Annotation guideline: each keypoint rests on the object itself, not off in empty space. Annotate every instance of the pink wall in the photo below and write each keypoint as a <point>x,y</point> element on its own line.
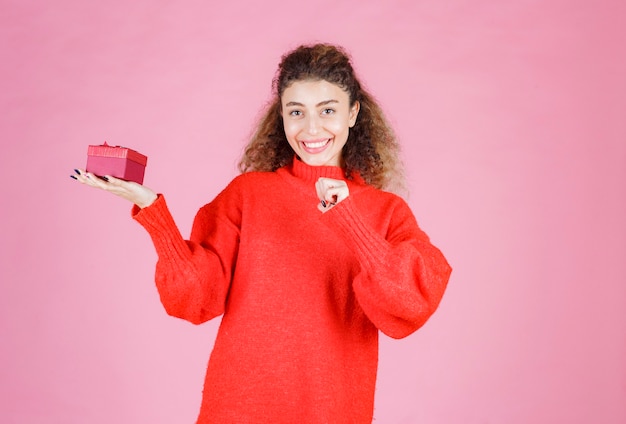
<point>512,119</point>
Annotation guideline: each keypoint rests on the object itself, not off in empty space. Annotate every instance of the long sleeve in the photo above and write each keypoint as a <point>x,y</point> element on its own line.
<point>193,276</point>
<point>403,276</point>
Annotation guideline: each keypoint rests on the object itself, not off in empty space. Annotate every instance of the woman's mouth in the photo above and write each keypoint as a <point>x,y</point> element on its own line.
<point>315,146</point>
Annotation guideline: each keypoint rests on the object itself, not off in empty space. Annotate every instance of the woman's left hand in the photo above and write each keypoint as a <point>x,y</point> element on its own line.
<point>330,192</point>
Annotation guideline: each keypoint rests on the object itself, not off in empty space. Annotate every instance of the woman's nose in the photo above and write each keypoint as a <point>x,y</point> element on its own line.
<point>313,125</point>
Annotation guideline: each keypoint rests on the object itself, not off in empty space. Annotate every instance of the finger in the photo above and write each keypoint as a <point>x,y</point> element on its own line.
<point>336,194</point>
<point>325,206</point>
<point>114,181</point>
<point>94,181</point>
<point>91,179</point>
<point>80,175</point>
<point>322,185</point>
<point>332,196</point>
<point>320,188</point>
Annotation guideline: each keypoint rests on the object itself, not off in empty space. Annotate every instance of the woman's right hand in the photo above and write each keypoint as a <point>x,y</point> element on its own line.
<point>138,194</point>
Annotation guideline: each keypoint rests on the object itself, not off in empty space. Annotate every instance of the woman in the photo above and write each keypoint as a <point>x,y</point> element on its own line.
<point>305,254</point>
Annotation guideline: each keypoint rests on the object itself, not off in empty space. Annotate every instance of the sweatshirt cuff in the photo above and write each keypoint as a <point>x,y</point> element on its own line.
<point>371,248</point>
<point>159,223</point>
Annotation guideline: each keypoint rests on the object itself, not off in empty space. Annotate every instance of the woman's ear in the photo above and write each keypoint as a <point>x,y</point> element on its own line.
<point>354,112</point>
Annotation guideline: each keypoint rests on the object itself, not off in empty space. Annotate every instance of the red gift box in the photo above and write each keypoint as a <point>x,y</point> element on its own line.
<point>117,161</point>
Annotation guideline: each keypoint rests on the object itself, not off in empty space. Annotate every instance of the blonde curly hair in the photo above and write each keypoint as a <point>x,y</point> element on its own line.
<point>371,150</point>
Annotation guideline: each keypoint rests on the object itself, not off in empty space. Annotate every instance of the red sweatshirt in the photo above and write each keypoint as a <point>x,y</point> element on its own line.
<point>302,293</point>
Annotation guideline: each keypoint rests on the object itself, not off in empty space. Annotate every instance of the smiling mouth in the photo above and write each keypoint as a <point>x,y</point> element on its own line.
<point>315,144</point>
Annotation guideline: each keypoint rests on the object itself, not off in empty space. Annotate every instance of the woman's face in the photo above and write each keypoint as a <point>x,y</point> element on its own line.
<point>317,117</point>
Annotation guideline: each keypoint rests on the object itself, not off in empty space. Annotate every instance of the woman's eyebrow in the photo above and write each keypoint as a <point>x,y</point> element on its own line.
<point>323,103</point>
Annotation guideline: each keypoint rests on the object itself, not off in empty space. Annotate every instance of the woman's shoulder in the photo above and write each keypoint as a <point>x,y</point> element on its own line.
<point>380,195</point>
<point>247,181</point>
<point>253,178</point>
<point>240,188</point>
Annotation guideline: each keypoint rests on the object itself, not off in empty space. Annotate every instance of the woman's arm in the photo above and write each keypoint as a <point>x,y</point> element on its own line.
<point>192,276</point>
<point>403,275</point>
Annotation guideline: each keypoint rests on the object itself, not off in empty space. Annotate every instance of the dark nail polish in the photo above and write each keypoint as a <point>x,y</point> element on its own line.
<point>105,179</point>
<point>323,203</point>
<point>77,171</point>
<point>73,176</point>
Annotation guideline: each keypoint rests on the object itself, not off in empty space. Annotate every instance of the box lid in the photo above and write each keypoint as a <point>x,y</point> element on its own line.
<point>117,152</point>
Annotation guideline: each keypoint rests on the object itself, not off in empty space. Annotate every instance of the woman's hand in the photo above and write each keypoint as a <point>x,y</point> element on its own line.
<point>140,195</point>
<point>330,192</point>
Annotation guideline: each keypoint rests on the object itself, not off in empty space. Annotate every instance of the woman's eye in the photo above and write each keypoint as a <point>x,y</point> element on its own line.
<point>328,111</point>
<point>295,113</point>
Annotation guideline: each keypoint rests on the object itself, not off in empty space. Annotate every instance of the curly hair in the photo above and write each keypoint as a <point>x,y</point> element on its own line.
<point>371,150</point>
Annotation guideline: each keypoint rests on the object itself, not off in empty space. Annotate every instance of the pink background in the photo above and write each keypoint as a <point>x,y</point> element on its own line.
<point>512,118</point>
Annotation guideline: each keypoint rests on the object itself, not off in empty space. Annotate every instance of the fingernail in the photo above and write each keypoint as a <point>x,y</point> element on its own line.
<point>73,176</point>
<point>105,179</point>
<point>77,171</point>
<point>323,203</point>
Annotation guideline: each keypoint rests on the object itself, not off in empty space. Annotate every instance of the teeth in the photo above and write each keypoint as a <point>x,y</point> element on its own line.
<point>316,145</point>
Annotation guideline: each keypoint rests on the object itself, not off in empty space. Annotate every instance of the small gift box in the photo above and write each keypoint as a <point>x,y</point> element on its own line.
<point>117,161</point>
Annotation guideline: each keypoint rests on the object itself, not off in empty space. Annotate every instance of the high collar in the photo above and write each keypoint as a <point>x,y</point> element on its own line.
<point>311,173</point>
